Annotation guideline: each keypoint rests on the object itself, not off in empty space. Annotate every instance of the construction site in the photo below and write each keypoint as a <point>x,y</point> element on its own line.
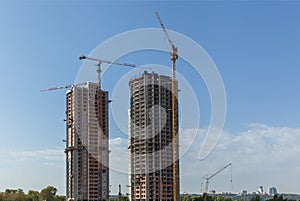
<point>153,141</point>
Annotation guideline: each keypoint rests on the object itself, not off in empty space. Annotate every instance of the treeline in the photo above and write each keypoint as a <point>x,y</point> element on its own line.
<point>274,198</point>
<point>48,194</point>
<point>123,198</point>
<point>201,198</point>
<point>222,198</point>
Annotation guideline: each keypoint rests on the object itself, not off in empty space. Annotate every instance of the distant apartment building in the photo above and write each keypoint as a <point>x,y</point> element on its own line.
<point>150,138</point>
<point>87,172</point>
<point>260,190</point>
<point>272,191</point>
<point>244,192</point>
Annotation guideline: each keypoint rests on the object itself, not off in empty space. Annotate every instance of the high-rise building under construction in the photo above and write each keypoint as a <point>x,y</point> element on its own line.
<point>151,170</point>
<point>87,151</point>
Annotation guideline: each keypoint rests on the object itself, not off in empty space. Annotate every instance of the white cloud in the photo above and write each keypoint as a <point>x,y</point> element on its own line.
<point>260,155</point>
<point>53,155</point>
<point>118,155</point>
<point>118,142</point>
<point>33,169</point>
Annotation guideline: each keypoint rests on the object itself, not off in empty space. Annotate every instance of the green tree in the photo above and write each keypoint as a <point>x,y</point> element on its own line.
<point>278,198</point>
<point>1,196</point>
<point>14,195</point>
<point>228,199</point>
<point>185,197</point>
<point>255,198</point>
<point>219,198</point>
<point>48,194</point>
<point>59,198</point>
<point>32,195</point>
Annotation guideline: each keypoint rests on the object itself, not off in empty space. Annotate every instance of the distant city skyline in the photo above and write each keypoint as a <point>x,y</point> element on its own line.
<point>255,46</point>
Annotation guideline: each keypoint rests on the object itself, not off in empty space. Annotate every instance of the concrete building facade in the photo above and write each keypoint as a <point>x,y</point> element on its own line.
<point>150,138</point>
<point>87,150</point>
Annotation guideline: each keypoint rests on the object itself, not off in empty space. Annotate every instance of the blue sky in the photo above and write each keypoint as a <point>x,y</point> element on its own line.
<point>255,46</point>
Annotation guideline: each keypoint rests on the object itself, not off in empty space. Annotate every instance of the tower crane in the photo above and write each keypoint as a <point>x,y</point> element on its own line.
<point>63,87</point>
<point>99,61</point>
<point>174,57</point>
<point>207,178</point>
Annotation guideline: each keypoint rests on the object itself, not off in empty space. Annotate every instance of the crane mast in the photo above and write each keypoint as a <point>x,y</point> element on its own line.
<point>174,57</point>
<point>120,193</point>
